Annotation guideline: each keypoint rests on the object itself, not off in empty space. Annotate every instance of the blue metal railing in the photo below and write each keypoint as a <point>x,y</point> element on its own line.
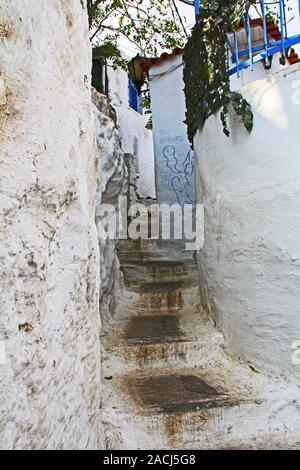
<point>264,51</point>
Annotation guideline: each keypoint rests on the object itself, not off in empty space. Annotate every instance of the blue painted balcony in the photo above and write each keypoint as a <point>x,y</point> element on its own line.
<point>261,34</point>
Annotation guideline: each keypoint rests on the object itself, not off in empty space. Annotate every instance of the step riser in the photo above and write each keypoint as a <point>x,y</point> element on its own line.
<point>198,430</point>
<point>137,245</point>
<point>185,300</point>
<point>135,257</point>
<point>154,245</point>
<point>150,287</point>
<point>159,274</point>
<point>155,356</point>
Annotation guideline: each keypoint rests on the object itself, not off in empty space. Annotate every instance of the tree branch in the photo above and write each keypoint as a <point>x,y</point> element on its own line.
<point>92,6</point>
<point>179,17</point>
<point>187,2</point>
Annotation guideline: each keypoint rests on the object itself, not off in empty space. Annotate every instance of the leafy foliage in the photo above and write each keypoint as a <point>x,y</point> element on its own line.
<point>207,85</point>
<point>150,25</point>
<point>109,50</point>
<point>146,104</point>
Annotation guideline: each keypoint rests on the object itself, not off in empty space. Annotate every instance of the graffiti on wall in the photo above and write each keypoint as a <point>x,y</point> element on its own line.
<point>182,174</point>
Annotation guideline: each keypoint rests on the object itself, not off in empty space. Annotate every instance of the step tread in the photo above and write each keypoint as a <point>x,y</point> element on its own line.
<point>164,289</point>
<point>164,263</point>
<point>153,330</point>
<point>168,286</point>
<point>177,393</point>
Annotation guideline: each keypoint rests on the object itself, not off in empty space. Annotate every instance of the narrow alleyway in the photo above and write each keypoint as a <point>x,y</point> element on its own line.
<point>168,382</point>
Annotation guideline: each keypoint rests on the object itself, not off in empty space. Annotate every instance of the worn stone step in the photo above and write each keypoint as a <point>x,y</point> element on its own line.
<point>173,393</point>
<point>172,300</point>
<point>129,246</point>
<point>221,425</point>
<point>146,287</point>
<point>220,406</point>
<point>166,270</point>
<point>153,330</point>
<point>137,256</point>
<point>126,257</point>
<point>151,355</point>
<point>161,265</point>
<point>161,287</point>
<point>156,250</point>
<point>148,342</point>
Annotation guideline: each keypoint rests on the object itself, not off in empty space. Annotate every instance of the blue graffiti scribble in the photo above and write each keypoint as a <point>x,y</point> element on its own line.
<point>183,180</point>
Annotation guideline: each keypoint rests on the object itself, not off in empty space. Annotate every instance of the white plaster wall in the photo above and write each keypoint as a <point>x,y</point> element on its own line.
<point>248,76</point>
<point>136,139</point>
<point>49,263</point>
<point>250,263</point>
<point>174,173</point>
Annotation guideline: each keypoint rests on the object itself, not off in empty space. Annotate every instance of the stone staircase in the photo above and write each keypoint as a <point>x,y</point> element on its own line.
<point>168,383</point>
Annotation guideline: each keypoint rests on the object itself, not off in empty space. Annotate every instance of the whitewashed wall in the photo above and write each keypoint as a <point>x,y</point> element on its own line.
<point>49,262</point>
<point>173,156</point>
<point>112,183</point>
<point>248,76</point>
<point>136,139</point>
<point>250,263</point>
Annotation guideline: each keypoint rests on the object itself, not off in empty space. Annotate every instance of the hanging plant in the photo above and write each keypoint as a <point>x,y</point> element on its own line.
<point>207,83</point>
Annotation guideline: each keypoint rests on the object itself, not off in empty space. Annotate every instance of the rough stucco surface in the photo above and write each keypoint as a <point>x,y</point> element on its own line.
<point>251,257</point>
<point>136,139</point>
<point>112,183</point>
<point>49,263</point>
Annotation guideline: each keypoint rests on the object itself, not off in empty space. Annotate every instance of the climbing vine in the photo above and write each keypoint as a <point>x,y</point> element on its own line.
<point>207,85</point>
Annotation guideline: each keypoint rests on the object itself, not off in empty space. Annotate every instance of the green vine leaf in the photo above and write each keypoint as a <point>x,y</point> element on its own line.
<point>207,84</point>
